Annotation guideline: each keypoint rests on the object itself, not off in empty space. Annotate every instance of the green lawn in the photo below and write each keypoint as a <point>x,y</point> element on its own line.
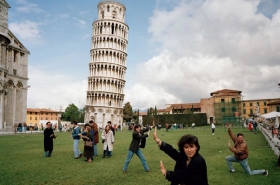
<point>22,160</point>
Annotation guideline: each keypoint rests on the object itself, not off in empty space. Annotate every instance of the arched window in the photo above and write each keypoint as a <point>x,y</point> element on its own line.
<point>108,8</point>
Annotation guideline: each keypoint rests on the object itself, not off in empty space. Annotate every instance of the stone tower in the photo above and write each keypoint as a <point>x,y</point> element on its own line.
<point>107,65</point>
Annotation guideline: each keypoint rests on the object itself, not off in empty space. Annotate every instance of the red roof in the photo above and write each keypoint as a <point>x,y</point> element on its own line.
<point>225,92</point>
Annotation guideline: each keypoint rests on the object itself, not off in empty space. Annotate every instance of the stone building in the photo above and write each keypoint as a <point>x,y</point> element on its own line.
<point>107,65</point>
<point>13,74</point>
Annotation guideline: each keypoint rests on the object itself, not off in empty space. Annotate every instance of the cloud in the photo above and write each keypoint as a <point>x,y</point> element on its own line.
<point>82,13</point>
<point>49,89</point>
<point>26,29</point>
<point>205,46</point>
<point>63,15</point>
<point>28,7</point>
<point>80,22</point>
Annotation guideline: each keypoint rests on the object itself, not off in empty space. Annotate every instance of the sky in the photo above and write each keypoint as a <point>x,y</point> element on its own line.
<point>179,51</point>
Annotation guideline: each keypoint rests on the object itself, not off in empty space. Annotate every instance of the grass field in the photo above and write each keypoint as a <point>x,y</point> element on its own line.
<point>22,160</point>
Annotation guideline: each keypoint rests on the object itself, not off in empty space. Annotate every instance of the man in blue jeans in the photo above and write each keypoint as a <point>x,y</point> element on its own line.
<point>138,140</point>
<point>240,151</point>
<point>76,130</point>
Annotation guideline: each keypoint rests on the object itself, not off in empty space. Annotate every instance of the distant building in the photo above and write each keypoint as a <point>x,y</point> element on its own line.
<point>224,106</point>
<point>107,67</point>
<point>13,74</point>
<point>38,117</point>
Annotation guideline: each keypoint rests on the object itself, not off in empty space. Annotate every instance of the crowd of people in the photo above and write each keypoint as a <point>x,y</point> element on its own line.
<point>190,166</point>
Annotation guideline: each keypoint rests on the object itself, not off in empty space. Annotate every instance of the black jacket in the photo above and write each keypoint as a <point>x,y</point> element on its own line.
<point>193,174</point>
<point>136,138</point>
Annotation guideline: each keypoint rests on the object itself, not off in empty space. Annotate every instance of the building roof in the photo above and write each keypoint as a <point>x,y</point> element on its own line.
<point>41,110</point>
<point>142,113</point>
<point>274,103</point>
<point>225,92</point>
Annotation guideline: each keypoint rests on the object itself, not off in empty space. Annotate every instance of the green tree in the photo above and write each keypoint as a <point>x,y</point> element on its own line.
<point>155,110</point>
<point>127,112</point>
<point>71,113</point>
<point>82,115</point>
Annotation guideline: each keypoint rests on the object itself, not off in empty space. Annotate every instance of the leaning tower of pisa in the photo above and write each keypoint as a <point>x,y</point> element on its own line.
<point>107,67</point>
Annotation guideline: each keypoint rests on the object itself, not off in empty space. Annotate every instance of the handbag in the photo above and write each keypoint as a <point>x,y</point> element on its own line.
<point>88,144</point>
<point>103,140</point>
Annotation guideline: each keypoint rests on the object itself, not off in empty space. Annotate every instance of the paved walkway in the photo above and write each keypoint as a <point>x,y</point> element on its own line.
<point>27,132</point>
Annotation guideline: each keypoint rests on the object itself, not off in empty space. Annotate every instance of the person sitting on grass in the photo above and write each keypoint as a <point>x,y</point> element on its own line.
<point>190,167</point>
<point>240,151</point>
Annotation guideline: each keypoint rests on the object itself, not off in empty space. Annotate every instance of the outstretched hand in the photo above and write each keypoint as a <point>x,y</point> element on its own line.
<point>155,134</point>
<point>162,168</point>
<point>229,126</point>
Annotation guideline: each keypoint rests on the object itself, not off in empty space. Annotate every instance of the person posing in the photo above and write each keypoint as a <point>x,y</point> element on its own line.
<point>240,151</point>
<point>108,137</point>
<point>48,140</point>
<point>94,127</point>
<point>213,128</point>
<point>87,136</point>
<point>76,138</point>
<point>138,140</point>
<point>190,167</point>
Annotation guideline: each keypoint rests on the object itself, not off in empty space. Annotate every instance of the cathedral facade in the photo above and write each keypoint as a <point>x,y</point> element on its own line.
<point>107,67</point>
<point>13,75</point>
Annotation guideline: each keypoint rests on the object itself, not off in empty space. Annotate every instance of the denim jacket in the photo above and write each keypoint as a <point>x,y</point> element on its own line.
<point>75,133</point>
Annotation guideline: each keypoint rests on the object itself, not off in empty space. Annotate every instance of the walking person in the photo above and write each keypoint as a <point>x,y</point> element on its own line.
<point>108,138</point>
<point>213,128</point>
<point>240,151</point>
<point>190,167</point>
<point>94,127</point>
<point>75,135</point>
<point>138,140</point>
<point>48,140</point>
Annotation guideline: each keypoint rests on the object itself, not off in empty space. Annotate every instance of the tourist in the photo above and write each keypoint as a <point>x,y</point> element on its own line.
<point>138,140</point>
<point>213,128</point>
<point>87,136</point>
<point>87,126</point>
<point>94,127</point>
<point>190,167</point>
<point>24,127</point>
<point>75,135</point>
<point>255,125</point>
<point>111,127</point>
<point>108,138</point>
<point>193,124</point>
<point>240,151</point>
<point>48,140</point>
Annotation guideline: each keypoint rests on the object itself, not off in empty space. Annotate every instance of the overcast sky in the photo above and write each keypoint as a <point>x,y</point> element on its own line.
<point>179,51</point>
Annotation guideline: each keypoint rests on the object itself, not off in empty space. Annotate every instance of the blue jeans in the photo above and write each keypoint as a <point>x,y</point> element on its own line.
<point>141,157</point>
<point>77,152</point>
<point>244,164</point>
<point>95,150</point>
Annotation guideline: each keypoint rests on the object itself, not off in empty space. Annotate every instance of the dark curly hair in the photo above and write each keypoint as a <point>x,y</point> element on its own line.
<point>188,139</point>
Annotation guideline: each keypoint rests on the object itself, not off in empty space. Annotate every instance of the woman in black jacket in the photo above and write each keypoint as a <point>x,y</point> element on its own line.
<point>190,167</point>
<point>138,140</point>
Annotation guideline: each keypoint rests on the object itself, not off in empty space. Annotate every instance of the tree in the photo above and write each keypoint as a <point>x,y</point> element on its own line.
<point>127,112</point>
<point>71,113</point>
<point>155,110</point>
